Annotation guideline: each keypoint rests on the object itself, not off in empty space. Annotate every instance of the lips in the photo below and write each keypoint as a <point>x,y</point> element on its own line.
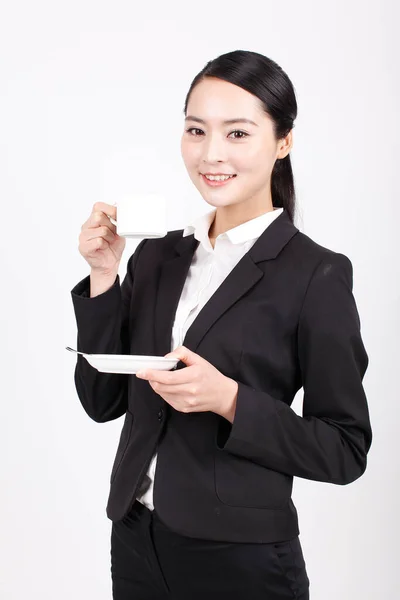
<point>217,183</point>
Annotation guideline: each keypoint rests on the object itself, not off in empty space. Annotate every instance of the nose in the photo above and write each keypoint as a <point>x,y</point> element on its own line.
<point>214,149</point>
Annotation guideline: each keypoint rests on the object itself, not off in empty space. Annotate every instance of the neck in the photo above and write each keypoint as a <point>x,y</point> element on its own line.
<point>228,217</point>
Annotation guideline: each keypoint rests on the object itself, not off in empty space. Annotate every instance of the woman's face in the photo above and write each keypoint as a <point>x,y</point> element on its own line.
<point>247,150</point>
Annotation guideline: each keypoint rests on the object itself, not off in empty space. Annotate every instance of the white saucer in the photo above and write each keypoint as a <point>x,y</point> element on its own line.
<point>130,364</point>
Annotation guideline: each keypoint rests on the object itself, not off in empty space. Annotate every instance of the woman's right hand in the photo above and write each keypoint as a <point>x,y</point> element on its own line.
<point>99,244</point>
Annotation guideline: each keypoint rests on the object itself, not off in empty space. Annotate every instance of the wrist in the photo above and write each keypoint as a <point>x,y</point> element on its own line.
<point>230,398</point>
<point>101,282</point>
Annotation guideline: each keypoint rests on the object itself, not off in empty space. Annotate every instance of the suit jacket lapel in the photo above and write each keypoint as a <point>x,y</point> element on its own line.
<point>172,279</point>
<point>240,280</point>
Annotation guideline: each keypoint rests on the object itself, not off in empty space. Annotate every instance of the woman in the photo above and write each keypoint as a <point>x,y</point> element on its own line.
<point>200,497</point>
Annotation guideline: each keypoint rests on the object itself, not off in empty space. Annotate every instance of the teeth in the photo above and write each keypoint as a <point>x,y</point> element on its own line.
<point>218,177</point>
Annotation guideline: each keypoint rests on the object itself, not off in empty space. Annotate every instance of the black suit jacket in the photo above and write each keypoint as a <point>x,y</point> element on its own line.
<point>284,317</point>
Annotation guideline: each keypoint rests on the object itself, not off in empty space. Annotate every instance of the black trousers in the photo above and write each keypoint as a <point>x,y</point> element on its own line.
<point>149,561</point>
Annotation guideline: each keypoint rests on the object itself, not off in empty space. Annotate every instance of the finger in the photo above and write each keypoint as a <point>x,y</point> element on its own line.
<point>94,245</point>
<point>99,232</point>
<point>98,219</point>
<point>108,209</point>
<point>167,377</point>
<point>180,389</point>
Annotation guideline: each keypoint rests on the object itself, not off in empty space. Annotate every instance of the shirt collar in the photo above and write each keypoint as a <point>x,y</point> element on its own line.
<point>241,233</point>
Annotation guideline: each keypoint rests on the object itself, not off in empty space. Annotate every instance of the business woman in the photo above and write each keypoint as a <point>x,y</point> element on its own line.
<point>200,497</point>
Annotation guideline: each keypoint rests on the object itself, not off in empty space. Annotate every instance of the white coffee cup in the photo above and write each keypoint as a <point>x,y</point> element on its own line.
<point>141,215</point>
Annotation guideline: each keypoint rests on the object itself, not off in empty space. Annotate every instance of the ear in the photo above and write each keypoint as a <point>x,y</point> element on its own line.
<point>285,145</point>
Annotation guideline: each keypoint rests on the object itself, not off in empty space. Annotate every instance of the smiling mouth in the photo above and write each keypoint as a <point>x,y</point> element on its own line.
<point>217,182</point>
<point>218,174</point>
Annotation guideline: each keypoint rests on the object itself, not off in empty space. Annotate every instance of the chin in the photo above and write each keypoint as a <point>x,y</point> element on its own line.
<point>216,203</point>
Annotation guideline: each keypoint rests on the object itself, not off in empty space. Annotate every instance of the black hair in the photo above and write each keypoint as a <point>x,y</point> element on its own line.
<point>266,80</point>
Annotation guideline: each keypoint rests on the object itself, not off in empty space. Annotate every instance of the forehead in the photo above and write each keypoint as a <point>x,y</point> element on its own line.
<point>215,100</point>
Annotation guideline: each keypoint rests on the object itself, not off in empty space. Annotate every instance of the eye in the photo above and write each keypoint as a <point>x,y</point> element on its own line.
<point>192,129</point>
<point>243,133</point>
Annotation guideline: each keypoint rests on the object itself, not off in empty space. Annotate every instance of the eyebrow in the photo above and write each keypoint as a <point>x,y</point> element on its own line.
<point>227,122</point>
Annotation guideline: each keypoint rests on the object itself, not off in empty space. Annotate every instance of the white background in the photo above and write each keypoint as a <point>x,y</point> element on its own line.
<point>92,97</point>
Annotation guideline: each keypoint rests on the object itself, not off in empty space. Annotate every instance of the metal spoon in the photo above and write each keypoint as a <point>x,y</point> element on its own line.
<point>72,350</point>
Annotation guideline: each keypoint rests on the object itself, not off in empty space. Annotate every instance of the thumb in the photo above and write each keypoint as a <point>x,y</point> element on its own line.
<point>185,355</point>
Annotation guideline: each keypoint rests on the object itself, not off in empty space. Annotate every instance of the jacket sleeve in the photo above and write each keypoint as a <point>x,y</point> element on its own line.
<point>331,439</point>
<point>103,328</point>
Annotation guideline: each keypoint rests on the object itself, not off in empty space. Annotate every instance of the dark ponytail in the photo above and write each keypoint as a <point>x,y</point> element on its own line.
<point>266,80</point>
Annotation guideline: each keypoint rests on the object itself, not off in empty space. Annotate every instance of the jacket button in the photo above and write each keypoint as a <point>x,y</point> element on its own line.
<point>160,414</point>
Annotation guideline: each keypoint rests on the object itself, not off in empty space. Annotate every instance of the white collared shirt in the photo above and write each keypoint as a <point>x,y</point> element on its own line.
<point>208,269</point>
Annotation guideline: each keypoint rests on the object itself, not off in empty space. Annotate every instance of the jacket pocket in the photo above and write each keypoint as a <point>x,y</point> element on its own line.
<point>123,443</point>
<point>243,483</point>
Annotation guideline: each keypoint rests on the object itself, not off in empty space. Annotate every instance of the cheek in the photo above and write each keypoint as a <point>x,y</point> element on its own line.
<point>256,161</point>
<point>190,154</point>
<point>246,158</point>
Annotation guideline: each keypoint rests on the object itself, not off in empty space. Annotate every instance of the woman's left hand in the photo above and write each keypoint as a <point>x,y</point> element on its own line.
<point>199,387</point>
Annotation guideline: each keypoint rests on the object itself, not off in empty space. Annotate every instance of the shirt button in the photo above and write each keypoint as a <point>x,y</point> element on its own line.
<point>160,414</point>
